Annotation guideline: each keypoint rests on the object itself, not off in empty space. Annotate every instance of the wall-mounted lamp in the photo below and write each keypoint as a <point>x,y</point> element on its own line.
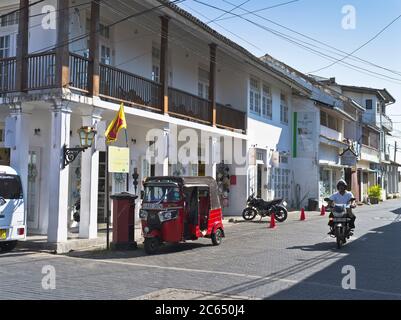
<point>86,138</point>
<point>37,132</point>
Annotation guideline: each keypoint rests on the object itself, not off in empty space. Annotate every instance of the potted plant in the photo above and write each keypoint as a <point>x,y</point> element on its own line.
<point>375,193</point>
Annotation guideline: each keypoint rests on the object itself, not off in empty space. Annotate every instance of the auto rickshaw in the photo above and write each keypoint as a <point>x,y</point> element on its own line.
<point>177,209</point>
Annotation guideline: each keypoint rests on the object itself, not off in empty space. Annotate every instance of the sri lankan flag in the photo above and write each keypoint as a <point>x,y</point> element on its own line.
<point>116,125</point>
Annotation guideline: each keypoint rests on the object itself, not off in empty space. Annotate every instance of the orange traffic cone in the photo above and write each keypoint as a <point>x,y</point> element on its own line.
<point>323,211</point>
<point>303,217</point>
<point>272,221</point>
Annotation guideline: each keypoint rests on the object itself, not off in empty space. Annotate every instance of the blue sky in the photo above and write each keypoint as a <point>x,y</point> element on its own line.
<point>321,20</point>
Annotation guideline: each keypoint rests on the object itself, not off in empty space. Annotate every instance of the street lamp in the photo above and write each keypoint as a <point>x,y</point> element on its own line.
<point>86,138</point>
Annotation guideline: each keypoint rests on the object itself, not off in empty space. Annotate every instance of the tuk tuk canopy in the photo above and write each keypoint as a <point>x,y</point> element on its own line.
<point>190,182</point>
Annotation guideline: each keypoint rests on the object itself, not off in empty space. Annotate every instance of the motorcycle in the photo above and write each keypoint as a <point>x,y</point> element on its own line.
<point>257,206</point>
<point>341,221</point>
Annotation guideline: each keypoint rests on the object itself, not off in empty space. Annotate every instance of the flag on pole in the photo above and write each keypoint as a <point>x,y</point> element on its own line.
<point>116,125</point>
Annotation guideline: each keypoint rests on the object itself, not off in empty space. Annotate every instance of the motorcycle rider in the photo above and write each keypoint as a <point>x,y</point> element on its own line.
<point>342,197</point>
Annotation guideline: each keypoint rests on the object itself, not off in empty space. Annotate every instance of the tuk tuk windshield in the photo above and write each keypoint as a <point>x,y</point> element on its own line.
<point>10,187</point>
<point>162,193</point>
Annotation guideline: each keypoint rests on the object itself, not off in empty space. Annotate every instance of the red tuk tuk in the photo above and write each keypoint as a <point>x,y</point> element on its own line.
<point>176,209</point>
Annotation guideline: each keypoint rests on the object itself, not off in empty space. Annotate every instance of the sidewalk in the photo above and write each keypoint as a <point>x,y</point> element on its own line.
<point>74,243</point>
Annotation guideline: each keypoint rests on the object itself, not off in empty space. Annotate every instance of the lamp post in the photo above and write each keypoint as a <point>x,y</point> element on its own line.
<point>86,138</point>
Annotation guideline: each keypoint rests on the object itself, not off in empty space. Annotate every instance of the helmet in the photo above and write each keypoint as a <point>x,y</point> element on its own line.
<point>342,183</point>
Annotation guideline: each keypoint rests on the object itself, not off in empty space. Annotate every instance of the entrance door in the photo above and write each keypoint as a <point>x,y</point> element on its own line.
<point>259,182</point>
<point>101,202</point>
<point>33,192</point>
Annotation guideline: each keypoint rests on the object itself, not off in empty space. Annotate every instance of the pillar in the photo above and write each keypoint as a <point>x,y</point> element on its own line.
<point>89,186</point>
<point>164,63</point>
<point>22,47</point>
<point>58,177</point>
<point>62,48</point>
<point>18,132</point>
<point>212,83</point>
<point>93,67</point>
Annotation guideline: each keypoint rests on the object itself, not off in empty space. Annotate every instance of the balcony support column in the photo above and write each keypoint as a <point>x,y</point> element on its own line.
<point>93,67</point>
<point>22,47</point>
<point>62,51</point>
<point>164,63</point>
<point>212,82</point>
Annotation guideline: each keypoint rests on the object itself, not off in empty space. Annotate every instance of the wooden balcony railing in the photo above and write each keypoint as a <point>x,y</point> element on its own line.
<point>79,72</point>
<point>124,86</point>
<point>229,118</point>
<point>185,105</point>
<point>8,68</point>
<point>41,71</point>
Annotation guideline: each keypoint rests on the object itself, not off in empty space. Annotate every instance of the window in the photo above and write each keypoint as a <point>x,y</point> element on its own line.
<point>9,19</point>
<point>279,183</point>
<point>323,119</point>
<point>105,55</point>
<point>284,110</point>
<point>155,63</point>
<point>266,102</point>
<point>254,96</point>
<point>333,123</point>
<point>203,83</point>
<point>369,104</point>
<point>4,47</point>
<point>10,187</point>
<point>104,31</point>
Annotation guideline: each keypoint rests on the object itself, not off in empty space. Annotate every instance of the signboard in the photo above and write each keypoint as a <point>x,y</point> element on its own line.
<point>348,158</point>
<point>275,159</point>
<point>118,160</point>
<point>304,134</point>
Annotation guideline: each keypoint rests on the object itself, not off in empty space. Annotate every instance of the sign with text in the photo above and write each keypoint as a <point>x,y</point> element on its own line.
<point>348,158</point>
<point>304,134</point>
<point>118,160</point>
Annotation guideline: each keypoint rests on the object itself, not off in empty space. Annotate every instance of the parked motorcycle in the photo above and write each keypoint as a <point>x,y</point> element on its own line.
<point>341,221</point>
<point>257,206</point>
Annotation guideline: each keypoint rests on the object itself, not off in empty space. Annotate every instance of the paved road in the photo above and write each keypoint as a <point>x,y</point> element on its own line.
<point>295,261</point>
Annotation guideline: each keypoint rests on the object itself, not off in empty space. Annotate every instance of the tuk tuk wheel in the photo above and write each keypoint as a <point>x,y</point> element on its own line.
<point>7,246</point>
<point>152,245</point>
<point>217,237</point>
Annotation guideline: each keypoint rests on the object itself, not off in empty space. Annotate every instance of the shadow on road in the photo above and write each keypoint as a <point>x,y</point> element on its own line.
<point>376,258</point>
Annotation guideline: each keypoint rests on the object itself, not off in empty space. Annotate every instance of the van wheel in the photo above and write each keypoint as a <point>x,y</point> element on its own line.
<point>152,245</point>
<point>7,246</point>
<point>217,237</point>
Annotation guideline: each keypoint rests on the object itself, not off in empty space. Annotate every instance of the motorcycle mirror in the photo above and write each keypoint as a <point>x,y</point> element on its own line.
<point>327,199</point>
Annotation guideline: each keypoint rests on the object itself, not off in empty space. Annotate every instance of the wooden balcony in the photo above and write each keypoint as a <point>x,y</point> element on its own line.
<point>229,118</point>
<point>119,86</point>
<point>116,84</point>
<point>189,106</point>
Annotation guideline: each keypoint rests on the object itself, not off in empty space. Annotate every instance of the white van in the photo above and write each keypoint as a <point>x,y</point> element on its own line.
<point>12,209</point>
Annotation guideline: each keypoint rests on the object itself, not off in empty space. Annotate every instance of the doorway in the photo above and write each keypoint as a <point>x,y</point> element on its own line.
<point>33,192</point>
<point>259,182</point>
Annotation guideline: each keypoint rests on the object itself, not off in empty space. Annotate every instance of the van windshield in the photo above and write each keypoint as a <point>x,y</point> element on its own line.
<point>10,187</point>
<point>161,193</point>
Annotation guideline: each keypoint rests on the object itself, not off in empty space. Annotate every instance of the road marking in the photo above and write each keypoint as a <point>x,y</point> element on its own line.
<point>232,274</point>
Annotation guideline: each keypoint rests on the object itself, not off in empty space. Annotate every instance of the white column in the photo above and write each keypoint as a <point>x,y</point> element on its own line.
<point>58,183</point>
<point>89,186</point>
<point>215,158</point>
<point>18,129</point>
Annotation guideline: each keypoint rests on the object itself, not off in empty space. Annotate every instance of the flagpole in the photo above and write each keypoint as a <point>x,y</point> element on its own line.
<point>126,141</point>
<point>107,198</point>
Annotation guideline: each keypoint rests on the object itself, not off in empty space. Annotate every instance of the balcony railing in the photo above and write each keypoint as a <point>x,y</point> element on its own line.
<point>387,122</point>
<point>189,106</point>
<point>41,71</point>
<point>119,85</point>
<point>116,84</point>
<point>8,68</point>
<point>79,72</point>
<point>230,118</point>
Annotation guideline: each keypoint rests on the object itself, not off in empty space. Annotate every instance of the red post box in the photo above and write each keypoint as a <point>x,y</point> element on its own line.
<point>123,221</point>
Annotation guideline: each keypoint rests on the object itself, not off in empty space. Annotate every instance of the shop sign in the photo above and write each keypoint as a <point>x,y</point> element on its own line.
<point>349,158</point>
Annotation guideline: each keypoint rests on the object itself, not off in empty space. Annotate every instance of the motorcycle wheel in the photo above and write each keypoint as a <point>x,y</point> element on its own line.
<point>339,239</point>
<point>7,246</point>
<point>281,214</point>
<point>249,214</point>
